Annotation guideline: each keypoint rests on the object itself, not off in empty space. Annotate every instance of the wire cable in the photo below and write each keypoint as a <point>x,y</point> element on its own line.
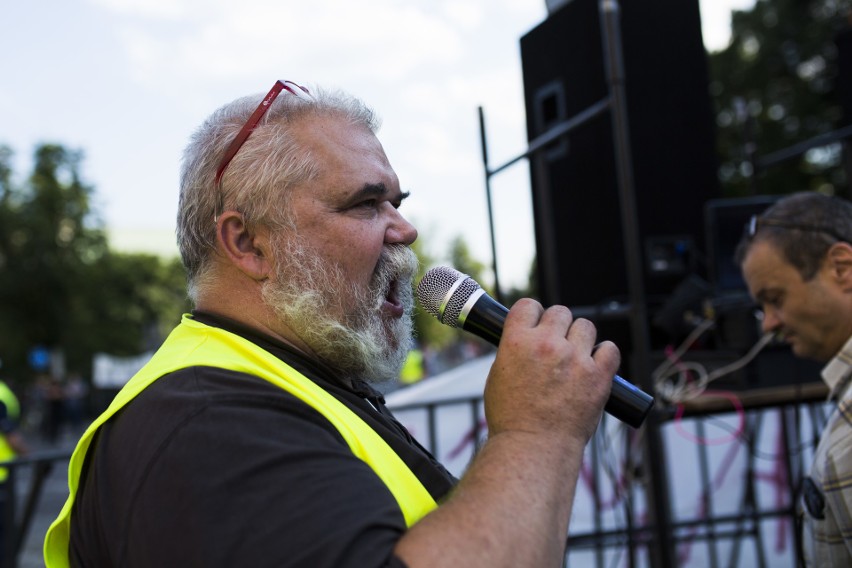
<point>692,376</point>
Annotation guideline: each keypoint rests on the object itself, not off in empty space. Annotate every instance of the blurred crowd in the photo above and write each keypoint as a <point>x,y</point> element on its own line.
<point>56,409</point>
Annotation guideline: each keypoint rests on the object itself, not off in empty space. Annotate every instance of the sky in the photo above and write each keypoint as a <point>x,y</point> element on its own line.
<point>128,81</point>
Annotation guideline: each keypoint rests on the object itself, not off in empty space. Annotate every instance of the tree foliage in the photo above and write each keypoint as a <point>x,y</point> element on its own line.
<point>462,259</point>
<point>773,87</point>
<point>61,287</point>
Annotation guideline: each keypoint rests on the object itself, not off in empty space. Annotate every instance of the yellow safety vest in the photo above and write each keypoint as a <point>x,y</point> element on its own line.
<point>192,344</point>
<point>412,370</point>
<point>13,410</point>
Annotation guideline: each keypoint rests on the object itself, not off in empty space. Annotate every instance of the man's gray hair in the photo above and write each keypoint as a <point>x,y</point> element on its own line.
<point>257,180</point>
<point>804,249</point>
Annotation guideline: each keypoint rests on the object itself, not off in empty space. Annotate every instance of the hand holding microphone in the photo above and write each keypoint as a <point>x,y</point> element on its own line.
<point>457,300</point>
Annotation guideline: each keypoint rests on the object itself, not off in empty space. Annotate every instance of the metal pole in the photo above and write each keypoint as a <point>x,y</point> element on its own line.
<point>10,527</point>
<point>497,290</point>
<point>662,553</point>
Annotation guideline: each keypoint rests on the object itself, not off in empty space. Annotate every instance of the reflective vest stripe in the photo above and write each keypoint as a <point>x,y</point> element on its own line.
<point>13,411</point>
<point>195,344</point>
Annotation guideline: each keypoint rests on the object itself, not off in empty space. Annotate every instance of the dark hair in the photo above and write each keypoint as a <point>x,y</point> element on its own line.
<point>819,220</point>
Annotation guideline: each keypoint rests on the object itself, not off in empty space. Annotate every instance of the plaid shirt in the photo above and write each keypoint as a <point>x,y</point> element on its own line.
<point>827,521</point>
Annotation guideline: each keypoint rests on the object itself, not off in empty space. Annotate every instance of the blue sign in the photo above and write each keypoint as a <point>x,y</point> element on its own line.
<point>39,358</point>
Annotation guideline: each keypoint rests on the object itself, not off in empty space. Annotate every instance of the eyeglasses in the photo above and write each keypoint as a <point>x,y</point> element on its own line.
<point>254,119</point>
<point>756,222</point>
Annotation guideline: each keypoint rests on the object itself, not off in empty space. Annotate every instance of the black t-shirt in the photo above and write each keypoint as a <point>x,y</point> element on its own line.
<point>210,467</point>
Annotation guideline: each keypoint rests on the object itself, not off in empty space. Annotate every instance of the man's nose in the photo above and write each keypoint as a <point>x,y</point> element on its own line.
<point>400,230</point>
<point>770,321</point>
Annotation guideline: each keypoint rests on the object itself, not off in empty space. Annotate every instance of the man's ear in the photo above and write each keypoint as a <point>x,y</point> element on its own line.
<point>247,250</point>
<point>839,259</point>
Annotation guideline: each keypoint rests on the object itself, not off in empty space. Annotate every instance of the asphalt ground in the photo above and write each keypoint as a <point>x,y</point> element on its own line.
<point>51,497</point>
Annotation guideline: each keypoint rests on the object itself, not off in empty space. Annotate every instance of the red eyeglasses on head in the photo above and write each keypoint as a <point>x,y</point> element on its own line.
<point>254,119</point>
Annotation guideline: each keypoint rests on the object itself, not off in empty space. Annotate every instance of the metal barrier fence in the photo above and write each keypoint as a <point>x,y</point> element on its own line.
<point>734,476</point>
<point>21,497</point>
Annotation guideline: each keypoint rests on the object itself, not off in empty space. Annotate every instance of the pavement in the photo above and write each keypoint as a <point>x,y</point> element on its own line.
<point>53,494</point>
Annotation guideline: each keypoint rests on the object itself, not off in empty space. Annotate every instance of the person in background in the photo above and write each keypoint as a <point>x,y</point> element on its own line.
<point>74,396</point>
<point>255,436</point>
<point>796,259</point>
<point>414,367</point>
<point>12,445</point>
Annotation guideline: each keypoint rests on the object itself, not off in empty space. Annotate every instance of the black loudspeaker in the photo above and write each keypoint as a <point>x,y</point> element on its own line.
<point>724,222</point>
<point>578,224</point>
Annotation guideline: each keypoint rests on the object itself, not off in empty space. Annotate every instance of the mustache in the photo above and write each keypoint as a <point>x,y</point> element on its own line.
<point>397,265</point>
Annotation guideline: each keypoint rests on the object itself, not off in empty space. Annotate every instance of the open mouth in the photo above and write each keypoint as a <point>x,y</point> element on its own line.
<point>392,303</point>
<point>392,278</point>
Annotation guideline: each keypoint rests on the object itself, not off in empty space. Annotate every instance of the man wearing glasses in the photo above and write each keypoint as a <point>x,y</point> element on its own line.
<point>796,259</point>
<point>254,438</point>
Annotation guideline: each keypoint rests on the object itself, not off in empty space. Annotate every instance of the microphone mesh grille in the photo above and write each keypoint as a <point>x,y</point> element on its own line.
<point>433,288</point>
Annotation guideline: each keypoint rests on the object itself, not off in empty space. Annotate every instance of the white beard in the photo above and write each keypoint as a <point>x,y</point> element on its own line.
<point>306,293</point>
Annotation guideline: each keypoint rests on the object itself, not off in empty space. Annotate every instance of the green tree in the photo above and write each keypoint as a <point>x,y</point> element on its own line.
<point>462,259</point>
<point>48,234</point>
<point>60,286</point>
<point>129,304</point>
<point>773,87</point>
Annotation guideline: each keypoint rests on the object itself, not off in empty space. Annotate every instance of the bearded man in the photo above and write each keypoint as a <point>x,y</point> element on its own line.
<point>253,436</point>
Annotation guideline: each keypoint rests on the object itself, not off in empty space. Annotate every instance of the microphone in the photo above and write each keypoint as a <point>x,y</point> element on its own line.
<point>456,300</point>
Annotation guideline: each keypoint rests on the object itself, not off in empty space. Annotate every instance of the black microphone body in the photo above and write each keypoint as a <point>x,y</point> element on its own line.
<point>457,300</point>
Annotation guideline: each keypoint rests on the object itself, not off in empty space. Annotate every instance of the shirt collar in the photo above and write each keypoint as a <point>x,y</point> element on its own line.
<point>837,372</point>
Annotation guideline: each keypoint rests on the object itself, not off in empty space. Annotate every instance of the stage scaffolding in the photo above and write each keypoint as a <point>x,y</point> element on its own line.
<point>738,456</point>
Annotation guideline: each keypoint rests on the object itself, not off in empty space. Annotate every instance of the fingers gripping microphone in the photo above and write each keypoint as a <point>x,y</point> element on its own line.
<point>456,300</point>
